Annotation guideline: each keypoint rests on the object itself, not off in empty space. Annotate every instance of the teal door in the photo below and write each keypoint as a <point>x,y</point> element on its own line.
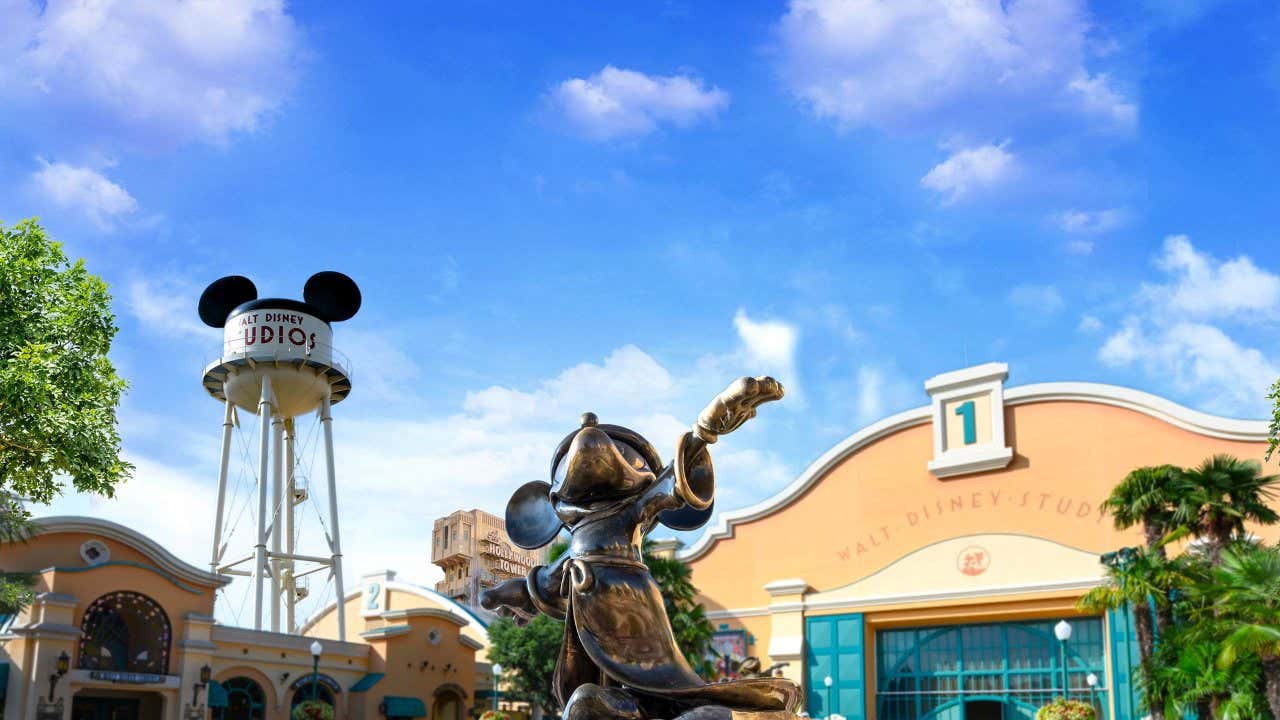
<point>834,648</point>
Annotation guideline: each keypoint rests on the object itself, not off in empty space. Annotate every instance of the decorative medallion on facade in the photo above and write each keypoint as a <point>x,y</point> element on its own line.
<point>973,560</point>
<point>968,420</point>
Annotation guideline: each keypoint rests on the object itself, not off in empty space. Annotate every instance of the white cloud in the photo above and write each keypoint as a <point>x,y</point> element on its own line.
<point>769,346</point>
<point>941,64</point>
<point>163,306</point>
<point>1089,324</point>
<point>1206,287</point>
<point>1096,96</point>
<point>1039,299</point>
<point>1197,358</point>
<point>969,171</point>
<point>159,71</point>
<point>1180,330</point>
<point>1089,222</point>
<point>618,103</point>
<point>85,190</point>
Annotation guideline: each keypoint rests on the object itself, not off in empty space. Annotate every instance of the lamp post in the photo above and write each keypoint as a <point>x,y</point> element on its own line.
<point>497,673</point>
<point>1092,681</point>
<point>316,649</point>
<point>1063,632</point>
<point>60,668</point>
<point>206,674</point>
<point>828,682</point>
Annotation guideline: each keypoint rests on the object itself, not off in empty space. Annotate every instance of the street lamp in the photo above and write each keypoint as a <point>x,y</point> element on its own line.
<point>1092,681</point>
<point>60,668</point>
<point>316,649</point>
<point>497,672</point>
<point>1063,632</point>
<point>828,682</point>
<point>206,674</point>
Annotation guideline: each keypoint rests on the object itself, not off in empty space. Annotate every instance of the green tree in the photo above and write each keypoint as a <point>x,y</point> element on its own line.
<point>1139,576</point>
<point>528,658</point>
<point>1149,496</point>
<point>1223,495</point>
<point>688,618</point>
<point>58,390</point>
<point>1248,596</point>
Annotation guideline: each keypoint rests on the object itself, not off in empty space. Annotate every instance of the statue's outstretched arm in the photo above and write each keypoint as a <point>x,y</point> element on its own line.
<point>522,598</point>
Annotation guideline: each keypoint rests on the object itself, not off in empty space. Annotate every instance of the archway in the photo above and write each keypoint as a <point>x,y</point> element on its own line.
<point>447,703</point>
<point>245,700</point>
<point>125,631</point>
<point>984,710</point>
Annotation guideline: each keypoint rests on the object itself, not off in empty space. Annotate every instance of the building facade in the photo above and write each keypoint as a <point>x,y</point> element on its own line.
<point>917,570</point>
<point>120,629</point>
<point>473,550</point>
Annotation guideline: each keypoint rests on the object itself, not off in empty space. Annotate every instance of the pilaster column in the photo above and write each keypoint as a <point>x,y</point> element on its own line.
<point>786,636</point>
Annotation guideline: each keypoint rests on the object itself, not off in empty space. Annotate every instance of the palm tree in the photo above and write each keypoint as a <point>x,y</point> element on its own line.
<point>1222,495</point>
<point>1248,580</point>
<point>1148,496</point>
<point>688,618</point>
<point>1141,577</point>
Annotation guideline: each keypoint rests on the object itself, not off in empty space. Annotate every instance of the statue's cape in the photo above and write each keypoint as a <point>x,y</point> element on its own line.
<point>617,633</point>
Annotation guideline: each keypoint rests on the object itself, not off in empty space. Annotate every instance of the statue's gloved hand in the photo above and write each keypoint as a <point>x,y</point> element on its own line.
<point>736,405</point>
<point>509,599</point>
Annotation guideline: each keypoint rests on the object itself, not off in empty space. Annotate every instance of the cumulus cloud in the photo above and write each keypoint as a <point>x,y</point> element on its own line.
<point>1203,286</point>
<point>1181,332</point>
<point>618,103</point>
<point>165,71</point>
<point>84,190</point>
<point>942,65</point>
<point>163,307</point>
<point>1089,222</point>
<point>769,346</point>
<point>969,171</point>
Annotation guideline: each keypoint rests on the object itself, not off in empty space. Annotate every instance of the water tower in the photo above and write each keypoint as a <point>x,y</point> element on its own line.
<point>278,363</point>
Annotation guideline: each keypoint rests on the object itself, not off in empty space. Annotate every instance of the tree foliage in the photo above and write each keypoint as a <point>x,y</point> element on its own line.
<point>1216,655</point>
<point>58,389</point>
<point>688,618</point>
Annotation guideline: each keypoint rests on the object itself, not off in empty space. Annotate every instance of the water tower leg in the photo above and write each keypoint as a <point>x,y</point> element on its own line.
<point>277,494</point>
<point>335,542</point>
<point>264,460</point>
<point>290,490</point>
<point>228,420</point>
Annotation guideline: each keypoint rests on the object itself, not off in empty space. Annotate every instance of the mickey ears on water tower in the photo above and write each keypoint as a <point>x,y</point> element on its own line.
<point>224,295</point>
<point>334,295</point>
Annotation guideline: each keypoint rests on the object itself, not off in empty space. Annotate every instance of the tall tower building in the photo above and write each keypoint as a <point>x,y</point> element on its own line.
<point>473,550</point>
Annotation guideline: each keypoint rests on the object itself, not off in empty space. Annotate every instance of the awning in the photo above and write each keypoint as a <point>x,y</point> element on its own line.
<point>217,695</point>
<point>366,682</point>
<point>403,707</point>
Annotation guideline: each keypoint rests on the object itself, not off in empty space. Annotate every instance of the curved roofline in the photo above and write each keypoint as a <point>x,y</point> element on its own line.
<point>1114,395</point>
<point>428,593</point>
<point>163,559</point>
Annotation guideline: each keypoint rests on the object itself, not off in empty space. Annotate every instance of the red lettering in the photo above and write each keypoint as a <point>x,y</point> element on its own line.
<point>301,337</point>
<point>268,335</point>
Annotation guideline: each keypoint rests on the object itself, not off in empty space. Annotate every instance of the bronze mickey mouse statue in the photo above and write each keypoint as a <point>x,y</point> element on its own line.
<point>619,658</point>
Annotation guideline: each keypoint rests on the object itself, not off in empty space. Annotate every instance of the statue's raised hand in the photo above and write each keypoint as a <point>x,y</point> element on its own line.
<point>736,405</point>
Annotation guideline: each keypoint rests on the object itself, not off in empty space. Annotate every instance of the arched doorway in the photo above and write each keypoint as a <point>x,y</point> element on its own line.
<point>447,702</point>
<point>984,710</point>
<point>127,632</point>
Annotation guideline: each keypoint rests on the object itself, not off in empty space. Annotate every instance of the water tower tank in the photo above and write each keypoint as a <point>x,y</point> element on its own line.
<point>288,342</point>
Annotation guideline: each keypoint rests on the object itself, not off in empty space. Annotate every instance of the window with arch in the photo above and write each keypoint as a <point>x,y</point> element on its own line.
<point>245,700</point>
<point>125,631</point>
<point>322,693</point>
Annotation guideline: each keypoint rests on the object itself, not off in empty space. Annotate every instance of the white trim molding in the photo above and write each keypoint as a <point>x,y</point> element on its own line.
<point>1151,405</point>
<point>165,560</point>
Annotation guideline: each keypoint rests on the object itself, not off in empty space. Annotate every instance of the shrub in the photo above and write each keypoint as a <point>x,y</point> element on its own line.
<point>313,710</point>
<point>493,715</point>
<point>1063,709</point>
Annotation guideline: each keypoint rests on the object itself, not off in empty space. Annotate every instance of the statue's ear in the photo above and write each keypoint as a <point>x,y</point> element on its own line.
<point>686,517</point>
<point>224,295</point>
<point>334,295</point>
<point>531,520</point>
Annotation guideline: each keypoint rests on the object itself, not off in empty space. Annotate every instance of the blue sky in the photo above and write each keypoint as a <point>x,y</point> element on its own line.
<point>620,208</point>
